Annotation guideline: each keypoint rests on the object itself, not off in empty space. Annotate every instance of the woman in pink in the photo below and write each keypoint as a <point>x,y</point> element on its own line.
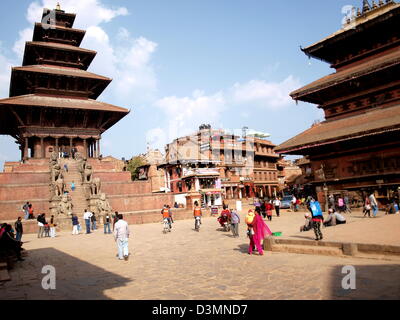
<point>259,232</point>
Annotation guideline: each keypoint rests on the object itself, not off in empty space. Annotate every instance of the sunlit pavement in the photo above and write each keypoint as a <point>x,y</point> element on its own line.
<point>186,264</point>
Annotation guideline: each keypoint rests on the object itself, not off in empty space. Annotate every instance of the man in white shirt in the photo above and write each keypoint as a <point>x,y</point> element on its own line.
<point>87,216</point>
<point>374,204</point>
<point>121,236</point>
<point>294,204</point>
<point>277,205</point>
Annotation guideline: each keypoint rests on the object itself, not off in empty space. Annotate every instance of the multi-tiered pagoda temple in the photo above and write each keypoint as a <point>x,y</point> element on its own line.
<point>357,147</point>
<point>52,104</point>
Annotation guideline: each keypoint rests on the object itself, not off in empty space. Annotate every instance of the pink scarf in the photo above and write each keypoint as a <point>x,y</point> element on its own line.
<point>261,230</point>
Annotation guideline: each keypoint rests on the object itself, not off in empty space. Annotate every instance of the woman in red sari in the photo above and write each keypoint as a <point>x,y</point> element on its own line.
<point>258,233</point>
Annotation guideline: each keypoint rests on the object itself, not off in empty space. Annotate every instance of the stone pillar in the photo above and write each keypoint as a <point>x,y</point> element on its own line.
<point>42,148</point>
<point>95,155</point>
<point>26,150</point>
<point>85,150</point>
<point>57,149</point>
<point>98,148</point>
<point>70,145</point>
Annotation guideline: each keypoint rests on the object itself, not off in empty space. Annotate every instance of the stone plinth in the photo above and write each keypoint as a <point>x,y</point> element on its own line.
<point>191,198</point>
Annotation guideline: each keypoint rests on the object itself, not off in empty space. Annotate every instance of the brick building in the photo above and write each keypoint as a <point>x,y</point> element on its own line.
<point>265,169</point>
<point>221,165</point>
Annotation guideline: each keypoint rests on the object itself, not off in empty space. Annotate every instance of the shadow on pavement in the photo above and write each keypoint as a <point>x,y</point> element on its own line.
<point>75,279</point>
<point>372,282</point>
<point>243,248</point>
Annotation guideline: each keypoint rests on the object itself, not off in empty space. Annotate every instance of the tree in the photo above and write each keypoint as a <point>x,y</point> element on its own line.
<point>133,166</point>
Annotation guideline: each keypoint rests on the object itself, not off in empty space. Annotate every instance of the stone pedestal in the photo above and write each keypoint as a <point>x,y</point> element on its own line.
<point>93,204</point>
<point>191,198</point>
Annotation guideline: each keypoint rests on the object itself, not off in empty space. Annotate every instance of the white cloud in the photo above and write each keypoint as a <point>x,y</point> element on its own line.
<point>156,138</point>
<point>19,46</point>
<point>89,12</point>
<point>184,115</point>
<point>266,94</point>
<point>5,73</point>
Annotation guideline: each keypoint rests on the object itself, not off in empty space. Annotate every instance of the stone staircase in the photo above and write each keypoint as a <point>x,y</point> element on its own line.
<point>79,201</point>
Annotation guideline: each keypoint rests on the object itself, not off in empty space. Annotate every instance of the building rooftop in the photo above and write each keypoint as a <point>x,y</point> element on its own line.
<point>323,49</point>
<point>58,70</point>
<point>386,61</point>
<point>376,121</point>
<point>35,100</point>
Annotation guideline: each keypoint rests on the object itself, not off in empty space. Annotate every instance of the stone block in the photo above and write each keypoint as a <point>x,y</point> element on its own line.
<point>350,249</point>
<point>268,243</point>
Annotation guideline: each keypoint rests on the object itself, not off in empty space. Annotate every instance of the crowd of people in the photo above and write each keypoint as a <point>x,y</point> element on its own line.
<point>229,220</point>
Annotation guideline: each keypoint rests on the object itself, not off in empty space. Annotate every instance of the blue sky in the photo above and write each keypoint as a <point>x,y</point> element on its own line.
<point>180,63</point>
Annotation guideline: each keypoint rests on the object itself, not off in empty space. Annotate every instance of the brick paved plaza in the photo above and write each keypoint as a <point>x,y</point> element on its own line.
<point>206,265</point>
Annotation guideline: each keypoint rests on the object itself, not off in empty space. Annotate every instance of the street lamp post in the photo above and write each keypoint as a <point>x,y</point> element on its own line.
<point>326,196</point>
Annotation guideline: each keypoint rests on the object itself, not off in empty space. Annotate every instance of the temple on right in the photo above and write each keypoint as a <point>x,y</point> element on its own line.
<point>357,147</point>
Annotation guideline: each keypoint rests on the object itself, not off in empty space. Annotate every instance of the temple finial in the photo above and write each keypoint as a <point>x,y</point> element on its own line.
<point>366,6</point>
<point>58,7</point>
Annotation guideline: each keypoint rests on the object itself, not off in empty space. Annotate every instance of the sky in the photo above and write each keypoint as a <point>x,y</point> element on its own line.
<point>177,64</point>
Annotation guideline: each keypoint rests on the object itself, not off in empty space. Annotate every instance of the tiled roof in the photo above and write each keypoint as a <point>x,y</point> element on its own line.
<point>58,46</point>
<point>372,122</point>
<point>347,74</point>
<point>360,21</point>
<point>61,102</point>
<point>73,72</point>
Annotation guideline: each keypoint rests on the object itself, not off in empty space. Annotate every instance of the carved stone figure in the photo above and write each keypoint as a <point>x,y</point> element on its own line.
<point>82,167</point>
<point>55,173</point>
<point>88,174</point>
<point>65,206</point>
<point>53,158</point>
<point>95,186</point>
<point>103,206</point>
<point>60,186</point>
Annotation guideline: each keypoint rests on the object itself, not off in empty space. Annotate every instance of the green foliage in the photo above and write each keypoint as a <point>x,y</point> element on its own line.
<point>133,166</point>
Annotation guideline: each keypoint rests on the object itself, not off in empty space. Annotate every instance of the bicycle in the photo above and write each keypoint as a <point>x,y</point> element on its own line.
<point>167,226</point>
<point>197,223</point>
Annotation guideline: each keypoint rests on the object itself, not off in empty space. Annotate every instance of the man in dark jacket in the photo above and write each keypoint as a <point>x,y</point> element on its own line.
<point>19,229</point>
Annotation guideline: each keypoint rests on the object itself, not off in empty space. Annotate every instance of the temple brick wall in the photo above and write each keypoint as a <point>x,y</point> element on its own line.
<point>27,178</point>
<point>11,210</point>
<point>122,188</point>
<point>129,203</point>
<point>22,192</point>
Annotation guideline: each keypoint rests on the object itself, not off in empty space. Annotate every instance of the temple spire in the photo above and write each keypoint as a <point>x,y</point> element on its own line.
<point>58,7</point>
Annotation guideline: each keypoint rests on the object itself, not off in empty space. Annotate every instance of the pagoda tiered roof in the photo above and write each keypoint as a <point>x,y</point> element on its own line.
<point>52,91</point>
<point>39,52</point>
<point>37,100</point>
<point>373,122</point>
<point>58,34</point>
<point>314,92</point>
<point>372,30</point>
